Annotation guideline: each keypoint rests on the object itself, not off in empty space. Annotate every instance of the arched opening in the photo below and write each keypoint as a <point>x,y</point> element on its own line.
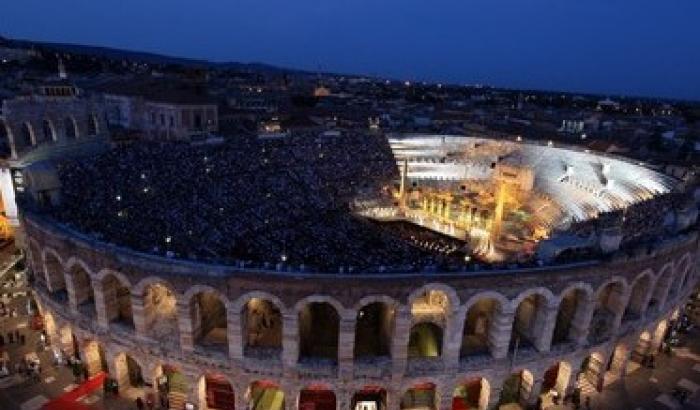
<point>68,342</point>
<point>316,397</point>
<point>420,397</point>
<point>117,299</point>
<point>318,330</point>
<point>265,395</point>
<point>70,128</point>
<point>373,331</point>
<point>425,341</point>
<point>471,394</point>
<point>47,132</point>
<point>554,384</point>
<point>529,321</point>
<point>216,393</point>
<point>570,307</point>
<point>618,362</point>
<point>92,125</point>
<point>160,314</point>
<point>171,383</point>
<point>477,327</point>
<point>83,291</point>
<point>24,139</point>
<point>262,329</point>
<point>517,388</point>
<point>5,149</point>
<point>369,398</point>
<point>637,302</point>
<point>129,372</point>
<point>93,357</point>
<point>208,314</point>
<point>609,304</point>
<point>55,279</point>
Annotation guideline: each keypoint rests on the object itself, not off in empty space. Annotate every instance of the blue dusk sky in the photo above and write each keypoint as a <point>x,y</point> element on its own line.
<point>613,47</point>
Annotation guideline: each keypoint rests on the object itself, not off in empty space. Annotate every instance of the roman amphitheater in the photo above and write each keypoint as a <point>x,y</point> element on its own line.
<point>229,334</point>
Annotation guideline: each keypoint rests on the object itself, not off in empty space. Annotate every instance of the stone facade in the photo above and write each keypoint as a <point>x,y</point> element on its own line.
<point>601,312</point>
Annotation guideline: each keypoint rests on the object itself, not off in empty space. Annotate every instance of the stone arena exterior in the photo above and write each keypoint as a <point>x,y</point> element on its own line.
<point>634,294</point>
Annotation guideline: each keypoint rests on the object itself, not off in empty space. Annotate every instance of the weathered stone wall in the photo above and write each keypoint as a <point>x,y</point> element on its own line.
<point>669,271</point>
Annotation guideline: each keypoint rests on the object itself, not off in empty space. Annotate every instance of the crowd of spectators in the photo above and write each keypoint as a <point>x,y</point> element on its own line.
<point>254,201</point>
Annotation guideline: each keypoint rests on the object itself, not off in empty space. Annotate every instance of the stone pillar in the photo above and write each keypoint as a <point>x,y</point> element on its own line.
<point>343,399</point>
<point>443,399</point>
<point>494,395</point>
<point>399,344</point>
<point>346,344</point>
<point>581,322</point>
<point>184,321</point>
<point>452,341</point>
<point>72,293</point>
<point>500,332</point>
<point>290,342</point>
<point>619,303</point>
<point>101,306</point>
<point>234,328</point>
<point>546,321</point>
<point>241,403</point>
<point>291,397</point>
<point>138,313</point>
<point>393,399</point>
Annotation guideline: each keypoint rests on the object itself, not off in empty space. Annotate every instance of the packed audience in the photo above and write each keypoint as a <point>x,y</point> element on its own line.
<point>252,201</point>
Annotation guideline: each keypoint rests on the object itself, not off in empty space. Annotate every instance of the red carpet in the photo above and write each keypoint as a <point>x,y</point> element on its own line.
<point>68,400</point>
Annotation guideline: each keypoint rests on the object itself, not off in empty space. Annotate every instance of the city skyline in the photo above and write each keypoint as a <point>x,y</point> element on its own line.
<point>598,48</point>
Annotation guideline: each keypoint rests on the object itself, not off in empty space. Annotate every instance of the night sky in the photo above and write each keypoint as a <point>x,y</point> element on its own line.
<point>648,48</point>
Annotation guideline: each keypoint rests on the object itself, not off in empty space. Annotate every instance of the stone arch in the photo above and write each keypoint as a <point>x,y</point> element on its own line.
<point>242,300</point>
<point>574,302</point>
<point>478,317</point>
<point>374,326</point>
<point>471,393</point>
<point>265,391</point>
<point>555,379</point>
<point>6,139</point>
<point>319,299</point>
<point>215,392</point>
<point>48,131</point>
<point>208,313</point>
<point>530,321</point>
<point>611,300</point>
<point>517,388</point>
<point>160,313</point>
<point>640,295</point>
<point>53,270</point>
<point>261,323</point>
<point>420,395</point>
<point>93,356</point>
<point>319,396</point>
<point>81,291</point>
<point>70,128</point>
<point>129,370</point>
<point>116,297</point>
<point>319,327</point>
<point>368,397</point>
<point>544,292</point>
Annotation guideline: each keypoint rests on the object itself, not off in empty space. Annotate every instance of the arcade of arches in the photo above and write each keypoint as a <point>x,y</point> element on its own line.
<point>318,334</point>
